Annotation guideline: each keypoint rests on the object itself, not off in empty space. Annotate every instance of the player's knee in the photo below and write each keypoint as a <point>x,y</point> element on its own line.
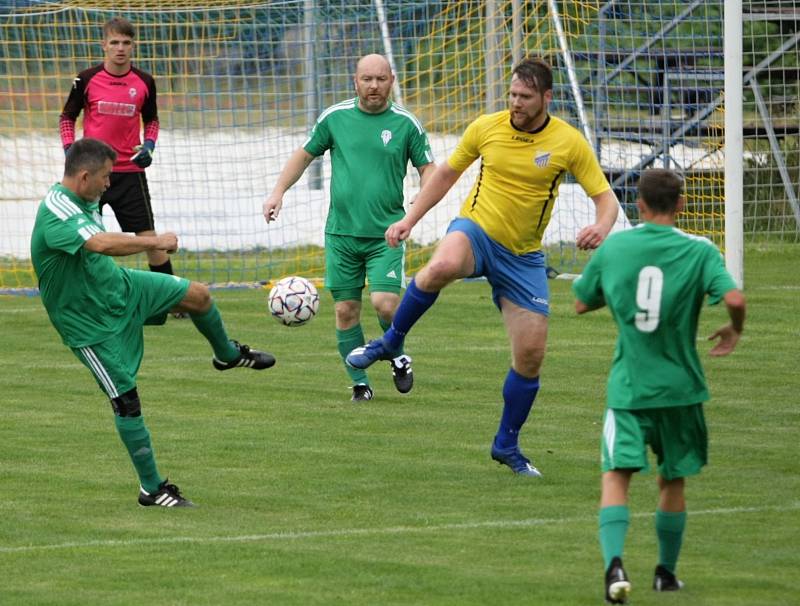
<point>529,362</point>
<point>437,274</point>
<point>203,294</point>
<point>385,306</point>
<point>127,405</point>
<point>197,299</point>
<point>347,313</point>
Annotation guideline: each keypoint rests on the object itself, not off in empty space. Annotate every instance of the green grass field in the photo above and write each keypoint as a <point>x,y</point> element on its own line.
<point>306,498</point>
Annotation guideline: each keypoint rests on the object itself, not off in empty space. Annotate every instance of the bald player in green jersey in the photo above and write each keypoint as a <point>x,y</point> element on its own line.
<point>371,140</point>
<point>654,279</point>
<point>99,308</point>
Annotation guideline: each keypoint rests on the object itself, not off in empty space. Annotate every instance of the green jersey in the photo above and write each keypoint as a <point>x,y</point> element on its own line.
<point>369,158</point>
<point>85,293</point>
<point>654,279</point>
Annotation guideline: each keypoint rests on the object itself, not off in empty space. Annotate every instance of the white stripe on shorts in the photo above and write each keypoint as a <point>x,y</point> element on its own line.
<point>610,434</point>
<point>100,372</point>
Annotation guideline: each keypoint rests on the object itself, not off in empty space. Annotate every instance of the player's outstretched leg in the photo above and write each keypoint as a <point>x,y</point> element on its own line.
<point>167,495</point>
<point>367,355</point>
<point>412,306</point>
<point>247,358</point>
<point>164,268</point>
<point>618,587</point>
<point>227,352</point>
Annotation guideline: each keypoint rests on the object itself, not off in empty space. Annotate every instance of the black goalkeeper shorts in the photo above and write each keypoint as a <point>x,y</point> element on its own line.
<point>129,198</point>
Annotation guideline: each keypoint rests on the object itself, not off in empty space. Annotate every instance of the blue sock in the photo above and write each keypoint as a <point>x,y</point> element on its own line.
<point>414,303</point>
<point>518,394</point>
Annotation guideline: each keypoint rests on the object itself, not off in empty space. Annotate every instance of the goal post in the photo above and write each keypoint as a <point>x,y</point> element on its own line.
<point>734,142</point>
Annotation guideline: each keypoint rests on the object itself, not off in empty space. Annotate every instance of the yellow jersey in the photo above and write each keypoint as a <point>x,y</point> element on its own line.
<point>520,172</point>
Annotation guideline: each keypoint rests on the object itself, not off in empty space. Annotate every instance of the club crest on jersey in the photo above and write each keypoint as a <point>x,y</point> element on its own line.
<point>132,92</point>
<point>386,136</point>
<point>541,159</point>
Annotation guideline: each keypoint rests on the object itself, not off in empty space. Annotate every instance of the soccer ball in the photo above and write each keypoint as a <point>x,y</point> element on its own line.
<point>293,301</point>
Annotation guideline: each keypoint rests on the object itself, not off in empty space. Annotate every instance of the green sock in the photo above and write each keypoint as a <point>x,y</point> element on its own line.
<point>347,340</point>
<point>386,326</point>
<point>613,528</point>
<point>669,529</point>
<point>211,327</point>
<point>136,439</point>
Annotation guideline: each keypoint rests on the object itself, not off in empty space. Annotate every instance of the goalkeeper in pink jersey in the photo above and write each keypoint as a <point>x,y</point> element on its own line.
<point>116,98</point>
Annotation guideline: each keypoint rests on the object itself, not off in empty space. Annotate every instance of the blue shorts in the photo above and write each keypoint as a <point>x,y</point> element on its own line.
<point>521,279</point>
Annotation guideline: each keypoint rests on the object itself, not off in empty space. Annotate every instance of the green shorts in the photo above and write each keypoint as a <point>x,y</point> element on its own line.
<point>115,361</point>
<point>350,260</point>
<point>677,435</point>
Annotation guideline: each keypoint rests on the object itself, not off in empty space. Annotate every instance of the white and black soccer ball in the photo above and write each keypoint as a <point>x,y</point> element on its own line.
<point>293,301</point>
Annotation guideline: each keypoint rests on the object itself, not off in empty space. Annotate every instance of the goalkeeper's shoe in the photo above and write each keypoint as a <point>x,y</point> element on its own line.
<point>362,393</point>
<point>366,355</point>
<point>248,358</point>
<point>167,495</point>
<point>514,458</point>
<point>664,580</point>
<point>618,587</point>
<point>402,374</point>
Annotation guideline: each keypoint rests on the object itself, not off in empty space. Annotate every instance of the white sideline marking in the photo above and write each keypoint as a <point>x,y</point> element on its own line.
<point>21,310</point>
<point>354,532</point>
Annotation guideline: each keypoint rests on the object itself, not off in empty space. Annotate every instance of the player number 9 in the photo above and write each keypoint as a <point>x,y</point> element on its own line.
<point>648,298</point>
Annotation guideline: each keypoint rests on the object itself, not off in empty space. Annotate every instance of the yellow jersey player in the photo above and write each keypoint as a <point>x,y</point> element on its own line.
<point>525,152</point>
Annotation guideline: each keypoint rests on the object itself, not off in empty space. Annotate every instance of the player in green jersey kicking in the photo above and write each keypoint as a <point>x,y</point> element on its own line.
<point>99,308</point>
<point>371,140</point>
<point>654,279</point>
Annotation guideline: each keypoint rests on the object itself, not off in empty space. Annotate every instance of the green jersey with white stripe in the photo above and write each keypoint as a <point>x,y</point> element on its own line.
<point>84,292</point>
<point>369,158</point>
<point>654,279</point>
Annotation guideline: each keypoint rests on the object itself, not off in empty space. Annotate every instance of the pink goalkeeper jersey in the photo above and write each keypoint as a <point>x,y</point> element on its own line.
<point>113,109</point>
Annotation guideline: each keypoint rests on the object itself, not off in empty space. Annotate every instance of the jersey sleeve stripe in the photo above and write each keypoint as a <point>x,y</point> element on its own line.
<point>85,233</point>
<point>60,205</point>
<point>51,206</point>
<point>693,237</point>
<point>65,203</point>
<point>349,104</point>
<point>401,111</point>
